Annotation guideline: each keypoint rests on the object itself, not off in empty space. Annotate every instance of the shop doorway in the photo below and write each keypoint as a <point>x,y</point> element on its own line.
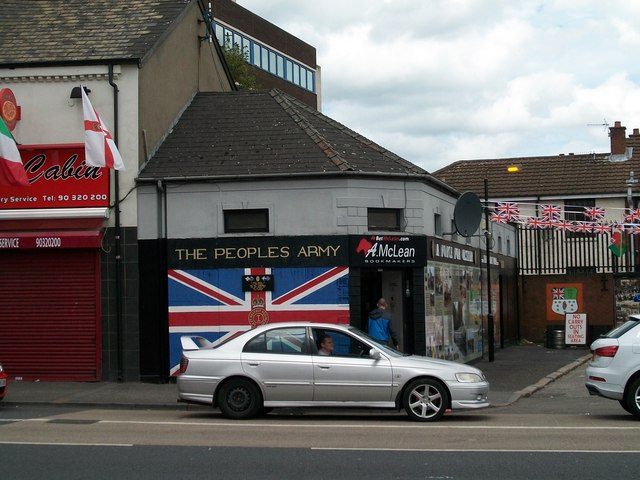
<point>388,284</point>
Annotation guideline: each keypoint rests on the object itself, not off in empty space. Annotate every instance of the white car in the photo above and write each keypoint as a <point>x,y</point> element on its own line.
<point>288,365</point>
<point>614,371</point>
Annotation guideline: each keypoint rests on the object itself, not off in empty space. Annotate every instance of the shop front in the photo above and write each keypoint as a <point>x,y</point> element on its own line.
<point>50,283</point>
<point>456,303</point>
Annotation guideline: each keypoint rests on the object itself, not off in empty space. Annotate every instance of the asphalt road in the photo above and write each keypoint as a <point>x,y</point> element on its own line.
<point>560,432</point>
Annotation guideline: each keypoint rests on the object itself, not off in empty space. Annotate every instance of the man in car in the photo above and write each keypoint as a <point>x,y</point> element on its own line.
<point>326,345</point>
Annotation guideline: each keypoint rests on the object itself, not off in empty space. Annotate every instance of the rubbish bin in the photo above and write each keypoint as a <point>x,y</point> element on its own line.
<point>555,336</point>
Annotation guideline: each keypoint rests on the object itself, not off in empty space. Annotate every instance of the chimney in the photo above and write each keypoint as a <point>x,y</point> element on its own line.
<point>618,139</point>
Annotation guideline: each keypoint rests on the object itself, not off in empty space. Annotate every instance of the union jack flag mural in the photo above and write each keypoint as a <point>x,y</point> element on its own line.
<point>213,303</point>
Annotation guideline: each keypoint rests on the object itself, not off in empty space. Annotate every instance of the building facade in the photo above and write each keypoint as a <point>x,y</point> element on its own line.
<point>577,222</point>
<point>282,224</point>
<point>68,242</point>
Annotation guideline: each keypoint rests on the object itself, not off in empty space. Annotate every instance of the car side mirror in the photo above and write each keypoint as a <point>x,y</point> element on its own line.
<point>374,353</point>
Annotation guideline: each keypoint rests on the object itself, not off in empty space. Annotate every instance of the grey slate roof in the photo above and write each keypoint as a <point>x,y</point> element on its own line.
<point>233,134</point>
<point>82,31</point>
<point>585,175</point>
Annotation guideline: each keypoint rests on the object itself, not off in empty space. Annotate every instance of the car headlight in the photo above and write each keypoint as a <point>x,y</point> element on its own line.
<point>468,378</point>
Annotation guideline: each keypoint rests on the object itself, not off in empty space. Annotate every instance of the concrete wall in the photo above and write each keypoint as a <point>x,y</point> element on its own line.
<point>171,75</point>
<point>327,206</point>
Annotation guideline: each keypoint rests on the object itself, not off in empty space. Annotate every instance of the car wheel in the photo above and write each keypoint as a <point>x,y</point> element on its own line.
<point>632,398</point>
<point>239,399</point>
<point>425,400</point>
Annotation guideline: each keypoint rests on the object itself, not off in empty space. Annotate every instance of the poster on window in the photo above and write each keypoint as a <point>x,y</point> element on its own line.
<point>454,311</point>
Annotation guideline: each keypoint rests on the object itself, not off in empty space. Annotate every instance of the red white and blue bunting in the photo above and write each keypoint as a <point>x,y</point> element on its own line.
<point>552,217</point>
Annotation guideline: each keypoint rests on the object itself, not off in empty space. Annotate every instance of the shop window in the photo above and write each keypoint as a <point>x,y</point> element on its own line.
<point>384,219</point>
<point>246,220</point>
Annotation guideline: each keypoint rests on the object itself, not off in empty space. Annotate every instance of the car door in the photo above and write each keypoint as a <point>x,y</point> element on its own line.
<point>349,374</point>
<point>279,360</point>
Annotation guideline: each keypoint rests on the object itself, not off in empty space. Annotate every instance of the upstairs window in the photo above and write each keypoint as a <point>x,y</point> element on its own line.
<point>384,219</point>
<point>574,211</point>
<point>246,221</point>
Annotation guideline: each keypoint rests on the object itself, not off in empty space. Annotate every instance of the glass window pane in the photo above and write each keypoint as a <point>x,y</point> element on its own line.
<point>289,71</point>
<point>383,219</point>
<point>256,54</point>
<point>245,221</point>
<point>280,66</point>
<point>265,59</point>
<point>310,84</point>
<point>220,34</point>
<point>303,77</point>
<point>296,74</point>
<point>272,62</point>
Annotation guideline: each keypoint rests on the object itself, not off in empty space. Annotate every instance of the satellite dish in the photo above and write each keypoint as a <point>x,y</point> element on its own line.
<point>467,214</point>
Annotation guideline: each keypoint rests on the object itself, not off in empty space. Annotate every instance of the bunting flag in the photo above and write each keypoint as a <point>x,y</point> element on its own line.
<point>510,210</point>
<point>100,149</point>
<point>594,213</point>
<point>632,215</point>
<point>11,169</point>
<point>551,212</point>
<point>551,218</point>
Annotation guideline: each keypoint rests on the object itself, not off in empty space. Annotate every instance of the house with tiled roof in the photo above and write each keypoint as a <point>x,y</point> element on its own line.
<point>577,238</point>
<point>269,210</point>
<point>70,238</point>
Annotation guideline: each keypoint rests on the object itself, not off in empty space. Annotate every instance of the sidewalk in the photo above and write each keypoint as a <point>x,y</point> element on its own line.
<point>516,372</point>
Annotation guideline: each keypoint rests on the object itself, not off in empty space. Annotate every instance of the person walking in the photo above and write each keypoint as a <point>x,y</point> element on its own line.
<point>380,327</point>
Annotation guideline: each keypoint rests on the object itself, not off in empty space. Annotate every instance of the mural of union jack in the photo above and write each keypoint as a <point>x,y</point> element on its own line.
<point>211,303</point>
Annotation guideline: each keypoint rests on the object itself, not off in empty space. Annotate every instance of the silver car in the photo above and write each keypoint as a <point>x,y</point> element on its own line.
<point>287,365</point>
<point>614,371</point>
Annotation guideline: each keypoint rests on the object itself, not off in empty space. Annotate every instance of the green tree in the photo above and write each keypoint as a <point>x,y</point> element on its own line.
<point>238,62</point>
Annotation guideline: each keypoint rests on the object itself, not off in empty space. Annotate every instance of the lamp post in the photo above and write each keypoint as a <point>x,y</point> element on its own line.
<point>631,181</point>
<point>487,239</point>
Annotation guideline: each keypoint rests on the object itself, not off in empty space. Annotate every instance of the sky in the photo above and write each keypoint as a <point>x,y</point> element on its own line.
<point>436,81</point>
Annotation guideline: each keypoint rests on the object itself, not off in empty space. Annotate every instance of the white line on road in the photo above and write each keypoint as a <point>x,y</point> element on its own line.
<point>69,444</point>
<point>479,450</point>
<point>351,426</point>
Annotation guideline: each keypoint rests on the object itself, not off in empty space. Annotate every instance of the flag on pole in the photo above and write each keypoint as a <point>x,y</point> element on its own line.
<point>11,169</point>
<point>100,149</point>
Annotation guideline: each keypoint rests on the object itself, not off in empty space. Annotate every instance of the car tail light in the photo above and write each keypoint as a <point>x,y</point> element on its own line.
<point>609,351</point>
<point>184,363</point>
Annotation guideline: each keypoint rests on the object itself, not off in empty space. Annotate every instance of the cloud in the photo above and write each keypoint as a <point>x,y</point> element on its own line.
<point>444,80</point>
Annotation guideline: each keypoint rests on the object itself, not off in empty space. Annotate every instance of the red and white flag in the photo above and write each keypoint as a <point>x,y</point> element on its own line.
<point>11,169</point>
<point>100,149</point>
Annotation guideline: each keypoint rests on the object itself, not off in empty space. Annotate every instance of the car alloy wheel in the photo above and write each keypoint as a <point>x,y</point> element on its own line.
<point>240,399</point>
<point>425,400</point>
<point>632,398</point>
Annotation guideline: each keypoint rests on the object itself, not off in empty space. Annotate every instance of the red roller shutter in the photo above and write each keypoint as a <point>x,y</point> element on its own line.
<point>49,314</point>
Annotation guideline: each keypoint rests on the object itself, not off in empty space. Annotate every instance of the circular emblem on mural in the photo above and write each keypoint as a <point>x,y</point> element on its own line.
<point>8,108</point>
<point>258,316</point>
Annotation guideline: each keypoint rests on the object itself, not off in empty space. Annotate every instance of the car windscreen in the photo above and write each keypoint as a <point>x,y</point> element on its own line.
<point>622,329</point>
<point>385,348</point>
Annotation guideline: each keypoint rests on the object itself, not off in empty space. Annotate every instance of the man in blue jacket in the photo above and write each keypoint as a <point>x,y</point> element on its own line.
<point>380,325</point>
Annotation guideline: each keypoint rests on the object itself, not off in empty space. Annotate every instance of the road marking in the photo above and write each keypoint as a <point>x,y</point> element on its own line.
<point>296,425</point>
<point>70,444</point>
<point>479,450</point>
<point>351,426</point>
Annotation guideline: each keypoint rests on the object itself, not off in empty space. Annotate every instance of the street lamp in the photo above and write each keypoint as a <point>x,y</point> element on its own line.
<point>487,239</point>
